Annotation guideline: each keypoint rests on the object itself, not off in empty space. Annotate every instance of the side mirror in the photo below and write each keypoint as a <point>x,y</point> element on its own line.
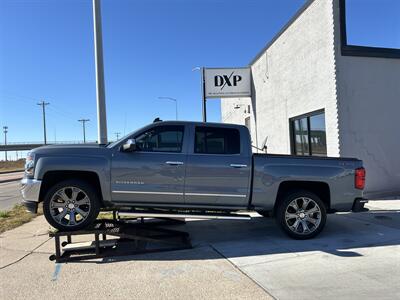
<point>129,146</point>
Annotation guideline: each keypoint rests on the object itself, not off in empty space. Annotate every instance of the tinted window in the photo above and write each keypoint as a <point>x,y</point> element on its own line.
<point>318,135</point>
<point>301,137</point>
<point>309,135</point>
<point>161,139</point>
<point>213,140</point>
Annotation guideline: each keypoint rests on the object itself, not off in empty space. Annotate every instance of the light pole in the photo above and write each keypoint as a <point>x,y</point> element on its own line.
<point>203,92</point>
<point>100,90</point>
<point>5,130</point>
<point>176,104</point>
<point>84,128</point>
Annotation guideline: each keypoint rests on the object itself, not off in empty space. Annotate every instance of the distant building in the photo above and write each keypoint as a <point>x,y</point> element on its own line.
<point>313,94</point>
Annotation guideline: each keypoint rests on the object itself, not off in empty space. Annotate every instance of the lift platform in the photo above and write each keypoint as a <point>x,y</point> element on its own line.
<point>129,236</point>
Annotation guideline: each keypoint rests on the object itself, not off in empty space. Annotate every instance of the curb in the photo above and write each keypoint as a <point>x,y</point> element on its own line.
<point>10,180</point>
<point>14,171</point>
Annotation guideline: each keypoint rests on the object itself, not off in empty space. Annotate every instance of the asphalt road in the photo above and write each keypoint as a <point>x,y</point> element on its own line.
<point>12,176</point>
<point>9,195</point>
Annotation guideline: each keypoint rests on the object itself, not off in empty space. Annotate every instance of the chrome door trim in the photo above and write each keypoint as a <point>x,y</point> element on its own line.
<point>216,195</point>
<point>144,192</point>
<point>182,194</point>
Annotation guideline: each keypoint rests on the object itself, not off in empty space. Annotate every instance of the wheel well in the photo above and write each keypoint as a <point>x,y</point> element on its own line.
<point>52,177</point>
<point>321,189</point>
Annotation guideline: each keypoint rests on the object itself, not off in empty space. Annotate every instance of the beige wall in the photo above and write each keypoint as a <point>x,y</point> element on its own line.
<point>369,109</point>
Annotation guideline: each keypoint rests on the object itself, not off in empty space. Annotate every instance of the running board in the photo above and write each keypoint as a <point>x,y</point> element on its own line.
<point>177,215</point>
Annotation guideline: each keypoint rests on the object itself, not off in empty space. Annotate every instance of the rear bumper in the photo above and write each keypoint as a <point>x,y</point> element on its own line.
<point>358,205</point>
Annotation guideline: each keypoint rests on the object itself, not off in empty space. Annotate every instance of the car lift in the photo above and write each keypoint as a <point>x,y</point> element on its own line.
<point>137,232</point>
<point>131,236</point>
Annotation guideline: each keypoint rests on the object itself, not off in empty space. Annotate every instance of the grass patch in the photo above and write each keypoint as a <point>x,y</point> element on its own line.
<point>16,217</point>
<point>12,165</point>
<point>4,214</point>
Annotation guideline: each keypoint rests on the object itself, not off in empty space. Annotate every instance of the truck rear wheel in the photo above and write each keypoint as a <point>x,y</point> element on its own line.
<point>71,205</point>
<point>302,215</point>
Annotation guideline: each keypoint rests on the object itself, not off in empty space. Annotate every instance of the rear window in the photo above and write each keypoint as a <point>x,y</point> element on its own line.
<point>214,140</point>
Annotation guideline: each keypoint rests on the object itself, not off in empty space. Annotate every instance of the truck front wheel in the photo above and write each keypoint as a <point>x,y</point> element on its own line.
<point>302,215</point>
<point>71,205</point>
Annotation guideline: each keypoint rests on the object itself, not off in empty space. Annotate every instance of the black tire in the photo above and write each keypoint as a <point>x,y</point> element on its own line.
<point>89,209</point>
<point>301,218</point>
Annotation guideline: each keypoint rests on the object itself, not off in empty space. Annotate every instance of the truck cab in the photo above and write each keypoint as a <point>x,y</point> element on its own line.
<point>192,164</point>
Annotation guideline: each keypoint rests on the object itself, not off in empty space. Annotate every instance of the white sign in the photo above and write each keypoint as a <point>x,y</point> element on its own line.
<point>233,82</point>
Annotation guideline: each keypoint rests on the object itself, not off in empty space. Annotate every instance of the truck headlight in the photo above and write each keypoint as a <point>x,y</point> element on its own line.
<point>30,164</point>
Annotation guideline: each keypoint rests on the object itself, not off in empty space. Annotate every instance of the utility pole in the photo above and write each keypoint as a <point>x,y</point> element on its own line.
<point>84,128</point>
<point>117,135</point>
<point>100,92</point>
<point>5,130</point>
<point>203,95</point>
<point>203,92</point>
<point>43,104</point>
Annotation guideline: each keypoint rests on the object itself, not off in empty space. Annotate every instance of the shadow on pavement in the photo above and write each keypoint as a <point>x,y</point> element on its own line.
<point>261,239</point>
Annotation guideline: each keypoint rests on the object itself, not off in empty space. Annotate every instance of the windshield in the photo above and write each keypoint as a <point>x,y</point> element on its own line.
<point>125,137</point>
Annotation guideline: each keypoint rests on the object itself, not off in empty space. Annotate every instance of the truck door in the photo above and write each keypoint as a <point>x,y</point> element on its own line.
<point>218,168</point>
<point>154,172</point>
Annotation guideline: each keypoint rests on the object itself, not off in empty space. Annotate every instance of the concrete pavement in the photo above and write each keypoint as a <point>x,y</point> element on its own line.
<point>357,256</point>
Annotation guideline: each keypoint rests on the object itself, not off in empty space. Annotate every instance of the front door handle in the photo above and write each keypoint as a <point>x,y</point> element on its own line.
<point>174,163</point>
<point>238,166</point>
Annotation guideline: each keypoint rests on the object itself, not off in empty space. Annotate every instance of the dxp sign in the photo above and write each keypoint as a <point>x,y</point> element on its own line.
<point>221,83</point>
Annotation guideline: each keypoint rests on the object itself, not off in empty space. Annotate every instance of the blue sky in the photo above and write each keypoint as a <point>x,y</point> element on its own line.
<point>150,48</point>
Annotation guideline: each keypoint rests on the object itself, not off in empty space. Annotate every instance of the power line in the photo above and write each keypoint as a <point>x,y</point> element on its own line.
<point>117,134</point>
<point>84,128</point>
<point>43,105</point>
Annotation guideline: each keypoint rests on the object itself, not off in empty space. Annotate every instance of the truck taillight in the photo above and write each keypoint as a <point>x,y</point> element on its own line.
<point>359,178</point>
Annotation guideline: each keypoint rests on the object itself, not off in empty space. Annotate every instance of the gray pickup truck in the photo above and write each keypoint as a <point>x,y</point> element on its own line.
<point>189,169</point>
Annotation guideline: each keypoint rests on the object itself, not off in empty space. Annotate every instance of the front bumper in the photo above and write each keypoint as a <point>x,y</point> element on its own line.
<point>358,205</point>
<point>30,190</point>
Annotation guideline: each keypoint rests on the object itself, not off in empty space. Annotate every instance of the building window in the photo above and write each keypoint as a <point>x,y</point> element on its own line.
<point>308,134</point>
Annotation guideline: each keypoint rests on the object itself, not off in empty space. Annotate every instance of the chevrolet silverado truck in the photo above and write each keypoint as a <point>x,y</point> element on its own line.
<point>190,169</point>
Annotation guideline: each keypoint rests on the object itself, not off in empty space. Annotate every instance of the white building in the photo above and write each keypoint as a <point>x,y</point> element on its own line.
<point>314,94</point>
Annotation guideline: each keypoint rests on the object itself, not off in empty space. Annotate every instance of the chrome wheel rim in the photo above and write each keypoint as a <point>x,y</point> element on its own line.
<point>69,206</point>
<point>303,215</point>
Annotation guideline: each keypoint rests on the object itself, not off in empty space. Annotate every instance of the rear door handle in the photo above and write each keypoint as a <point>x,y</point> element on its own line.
<point>174,163</point>
<point>238,166</point>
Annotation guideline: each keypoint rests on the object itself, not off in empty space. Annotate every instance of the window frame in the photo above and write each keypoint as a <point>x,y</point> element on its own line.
<point>358,50</point>
<point>292,132</point>
<point>158,128</point>
<point>215,127</point>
